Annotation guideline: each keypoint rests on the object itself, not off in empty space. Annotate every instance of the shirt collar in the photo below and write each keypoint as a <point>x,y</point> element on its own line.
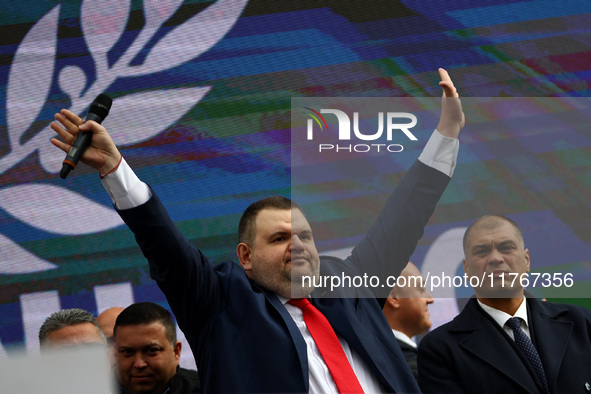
<point>402,337</point>
<point>501,317</point>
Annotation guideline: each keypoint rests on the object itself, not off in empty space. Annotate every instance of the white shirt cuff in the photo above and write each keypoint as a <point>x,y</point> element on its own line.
<point>441,153</point>
<point>125,188</point>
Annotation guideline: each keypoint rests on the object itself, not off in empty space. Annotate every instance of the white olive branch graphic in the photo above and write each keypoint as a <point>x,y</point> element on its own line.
<point>30,78</point>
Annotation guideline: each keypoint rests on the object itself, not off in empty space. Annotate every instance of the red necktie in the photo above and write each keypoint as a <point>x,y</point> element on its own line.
<point>329,346</point>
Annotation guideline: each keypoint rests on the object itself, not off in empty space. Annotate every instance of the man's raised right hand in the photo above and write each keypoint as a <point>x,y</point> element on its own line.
<point>102,153</point>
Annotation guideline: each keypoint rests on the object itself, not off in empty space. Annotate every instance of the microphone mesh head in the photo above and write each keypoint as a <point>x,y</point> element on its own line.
<point>101,106</point>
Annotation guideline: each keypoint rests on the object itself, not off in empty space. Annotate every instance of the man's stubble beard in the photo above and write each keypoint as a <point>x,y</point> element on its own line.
<point>303,288</point>
<point>286,284</point>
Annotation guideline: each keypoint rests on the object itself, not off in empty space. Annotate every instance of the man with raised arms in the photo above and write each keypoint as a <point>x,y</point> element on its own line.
<point>249,326</point>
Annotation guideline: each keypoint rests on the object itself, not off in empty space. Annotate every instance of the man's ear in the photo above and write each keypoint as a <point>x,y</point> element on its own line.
<point>244,253</point>
<point>177,351</point>
<point>393,302</point>
<point>526,255</point>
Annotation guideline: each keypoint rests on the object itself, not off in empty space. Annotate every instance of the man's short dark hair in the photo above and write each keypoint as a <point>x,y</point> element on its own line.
<point>246,227</point>
<point>147,313</point>
<point>491,222</point>
<point>66,318</point>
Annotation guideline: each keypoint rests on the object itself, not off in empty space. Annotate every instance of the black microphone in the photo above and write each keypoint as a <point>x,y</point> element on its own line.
<point>99,109</point>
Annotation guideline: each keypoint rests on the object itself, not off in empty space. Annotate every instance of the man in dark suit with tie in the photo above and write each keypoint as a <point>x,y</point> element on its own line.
<point>502,341</point>
<point>253,327</point>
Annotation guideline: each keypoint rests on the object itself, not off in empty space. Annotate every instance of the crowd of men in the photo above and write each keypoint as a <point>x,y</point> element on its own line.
<point>142,339</point>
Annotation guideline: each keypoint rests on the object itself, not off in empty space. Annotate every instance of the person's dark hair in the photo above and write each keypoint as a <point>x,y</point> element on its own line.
<point>146,313</point>
<point>66,318</point>
<point>491,222</point>
<point>246,227</point>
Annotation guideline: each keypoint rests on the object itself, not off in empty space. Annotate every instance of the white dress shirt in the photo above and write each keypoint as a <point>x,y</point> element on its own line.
<point>320,379</point>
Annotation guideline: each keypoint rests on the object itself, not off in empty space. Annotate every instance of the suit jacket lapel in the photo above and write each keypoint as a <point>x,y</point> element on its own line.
<point>296,335</point>
<point>485,340</point>
<point>551,336</point>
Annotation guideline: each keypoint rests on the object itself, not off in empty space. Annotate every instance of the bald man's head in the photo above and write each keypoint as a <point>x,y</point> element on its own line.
<point>107,320</point>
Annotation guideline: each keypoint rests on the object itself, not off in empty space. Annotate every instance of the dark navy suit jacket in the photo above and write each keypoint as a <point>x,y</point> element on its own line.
<point>473,354</point>
<point>243,338</point>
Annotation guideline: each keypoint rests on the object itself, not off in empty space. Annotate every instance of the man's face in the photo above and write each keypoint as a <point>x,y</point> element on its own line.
<point>146,360</point>
<point>283,252</point>
<point>411,302</point>
<point>414,310</point>
<point>496,253</point>
<point>76,334</point>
